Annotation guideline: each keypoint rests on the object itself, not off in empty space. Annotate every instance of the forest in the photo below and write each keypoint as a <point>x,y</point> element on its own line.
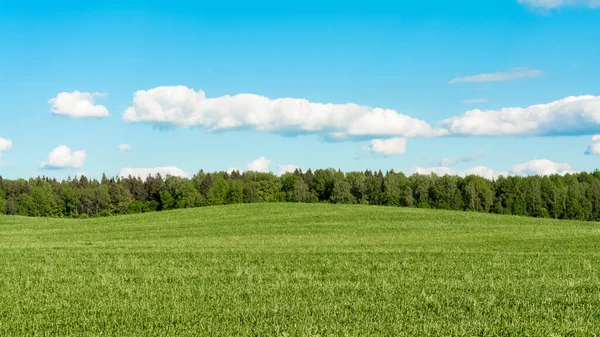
<point>572,196</point>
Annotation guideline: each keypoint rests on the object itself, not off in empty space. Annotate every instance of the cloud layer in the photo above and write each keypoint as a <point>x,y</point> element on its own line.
<point>262,165</point>
<point>145,172</point>
<point>568,116</point>
<point>180,106</point>
<point>540,167</point>
<point>551,4</point>
<point>512,74</point>
<point>77,105</point>
<point>388,147</point>
<point>62,157</point>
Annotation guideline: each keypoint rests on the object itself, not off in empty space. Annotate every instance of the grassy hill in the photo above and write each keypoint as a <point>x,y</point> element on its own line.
<point>299,270</point>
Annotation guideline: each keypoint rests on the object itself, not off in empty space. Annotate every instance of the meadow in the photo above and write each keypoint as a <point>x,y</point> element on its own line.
<point>299,270</point>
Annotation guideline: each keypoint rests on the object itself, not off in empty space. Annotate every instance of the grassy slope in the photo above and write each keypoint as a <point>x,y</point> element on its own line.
<point>299,269</point>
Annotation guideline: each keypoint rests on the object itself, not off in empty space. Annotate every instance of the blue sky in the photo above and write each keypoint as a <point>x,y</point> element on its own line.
<point>406,66</point>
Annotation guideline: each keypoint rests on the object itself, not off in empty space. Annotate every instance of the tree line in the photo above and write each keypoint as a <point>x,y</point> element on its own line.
<point>572,196</point>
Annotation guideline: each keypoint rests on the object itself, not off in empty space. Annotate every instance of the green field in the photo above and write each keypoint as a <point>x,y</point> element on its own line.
<point>299,270</point>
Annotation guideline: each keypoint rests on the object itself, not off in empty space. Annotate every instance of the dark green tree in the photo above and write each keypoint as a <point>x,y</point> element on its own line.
<point>341,193</point>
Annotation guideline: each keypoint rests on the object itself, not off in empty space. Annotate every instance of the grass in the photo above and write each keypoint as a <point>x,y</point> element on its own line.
<point>299,270</point>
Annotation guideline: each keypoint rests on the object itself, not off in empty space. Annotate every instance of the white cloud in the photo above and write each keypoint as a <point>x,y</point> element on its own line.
<point>124,147</point>
<point>62,157</point>
<point>283,169</point>
<point>551,4</point>
<point>463,159</point>
<point>475,101</point>
<point>180,106</point>
<point>571,115</point>
<point>533,167</point>
<point>259,165</point>
<point>484,172</point>
<point>541,167</point>
<point>5,145</point>
<point>145,172</point>
<point>594,147</point>
<point>388,147</point>
<point>77,104</point>
<point>512,74</point>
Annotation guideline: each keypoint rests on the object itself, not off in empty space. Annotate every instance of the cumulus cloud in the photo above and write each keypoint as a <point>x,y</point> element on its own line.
<point>180,106</point>
<point>594,147</point>
<point>461,160</point>
<point>475,101</point>
<point>145,172</point>
<point>5,145</point>
<point>388,147</point>
<point>259,165</point>
<point>551,4</point>
<point>62,157</point>
<point>283,169</point>
<point>541,167</point>
<point>77,104</point>
<point>512,74</point>
<point>124,147</point>
<point>568,116</point>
